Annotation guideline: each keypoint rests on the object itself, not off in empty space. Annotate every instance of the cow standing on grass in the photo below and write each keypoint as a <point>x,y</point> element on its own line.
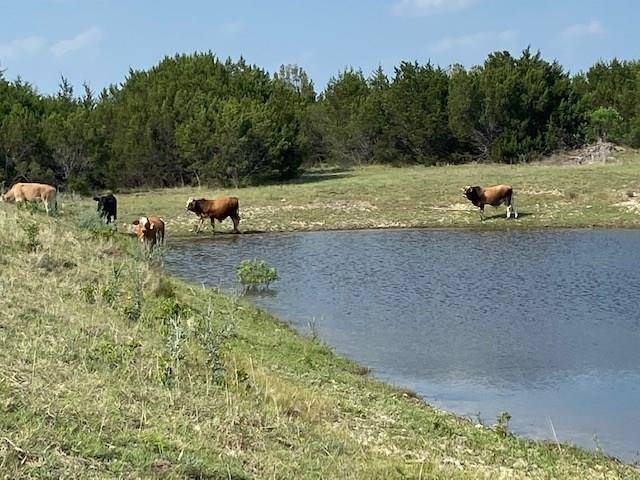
<point>493,196</point>
<point>33,192</point>
<point>217,209</point>
<point>107,207</point>
<point>150,231</point>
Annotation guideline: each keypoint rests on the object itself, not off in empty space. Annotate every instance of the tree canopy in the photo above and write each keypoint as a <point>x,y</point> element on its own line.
<point>198,119</point>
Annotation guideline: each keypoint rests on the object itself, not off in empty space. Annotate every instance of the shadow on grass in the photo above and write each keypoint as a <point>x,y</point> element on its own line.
<point>503,216</point>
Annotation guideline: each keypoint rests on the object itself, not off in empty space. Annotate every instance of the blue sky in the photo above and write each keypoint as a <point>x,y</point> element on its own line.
<point>97,41</point>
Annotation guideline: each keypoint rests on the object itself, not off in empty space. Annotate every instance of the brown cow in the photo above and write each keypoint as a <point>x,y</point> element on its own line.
<point>493,196</point>
<point>149,230</point>
<point>217,209</point>
<point>33,192</point>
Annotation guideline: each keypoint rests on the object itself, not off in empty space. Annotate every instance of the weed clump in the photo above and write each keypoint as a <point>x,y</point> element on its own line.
<point>502,424</point>
<point>255,274</point>
<point>88,292</point>
<point>173,315</point>
<point>163,287</point>
<point>29,207</point>
<point>134,298</point>
<point>31,230</point>
<point>111,290</point>
<point>90,221</point>
<point>214,341</point>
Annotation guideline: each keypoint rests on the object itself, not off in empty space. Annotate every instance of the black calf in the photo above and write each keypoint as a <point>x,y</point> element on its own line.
<point>107,207</point>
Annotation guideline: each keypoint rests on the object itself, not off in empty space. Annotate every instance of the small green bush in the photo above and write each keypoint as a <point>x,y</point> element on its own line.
<point>174,317</point>
<point>134,298</point>
<point>31,231</point>
<point>90,221</point>
<point>502,424</point>
<point>111,290</point>
<point>88,292</point>
<point>30,207</point>
<point>214,340</point>
<point>255,274</point>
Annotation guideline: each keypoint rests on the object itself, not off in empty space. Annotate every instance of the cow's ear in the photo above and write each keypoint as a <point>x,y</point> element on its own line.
<point>136,222</point>
<point>96,199</point>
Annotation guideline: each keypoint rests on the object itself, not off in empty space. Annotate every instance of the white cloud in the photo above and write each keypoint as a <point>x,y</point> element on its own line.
<point>425,7</point>
<point>22,46</point>
<point>583,29</point>
<point>78,42</point>
<point>491,40</point>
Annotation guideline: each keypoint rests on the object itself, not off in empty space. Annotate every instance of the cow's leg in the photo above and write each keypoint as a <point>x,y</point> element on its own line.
<point>508,210</point>
<point>213,224</point>
<point>46,205</point>
<point>236,222</point>
<point>200,223</point>
<point>482,213</point>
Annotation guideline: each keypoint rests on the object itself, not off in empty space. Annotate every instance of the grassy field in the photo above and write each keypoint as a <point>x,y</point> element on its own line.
<point>111,369</point>
<point>386,197</point>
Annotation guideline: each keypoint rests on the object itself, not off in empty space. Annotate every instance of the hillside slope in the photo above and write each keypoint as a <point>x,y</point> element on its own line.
<point>111,369</point>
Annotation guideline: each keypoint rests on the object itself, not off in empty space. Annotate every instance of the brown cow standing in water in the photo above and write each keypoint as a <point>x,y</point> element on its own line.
<point>217,209</point>
<point>33,192</point>
<point>150,231</point>
<point>493,196</point>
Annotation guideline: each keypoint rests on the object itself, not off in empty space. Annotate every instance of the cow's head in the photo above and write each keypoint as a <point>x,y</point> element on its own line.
<point>144,229</point>
<point>192,204</point>
<point>472,193</point>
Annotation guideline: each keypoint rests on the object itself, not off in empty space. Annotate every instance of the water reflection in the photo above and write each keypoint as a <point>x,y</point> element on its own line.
<point>542,324</point>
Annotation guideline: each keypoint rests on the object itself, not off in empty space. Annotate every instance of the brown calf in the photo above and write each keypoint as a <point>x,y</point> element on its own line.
<point>32,192</point>
<point>493,196</point>
<point>217,209</point>
<point>149,230</point>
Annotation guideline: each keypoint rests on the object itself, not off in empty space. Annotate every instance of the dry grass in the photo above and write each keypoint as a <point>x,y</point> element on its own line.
<point>109,369</point>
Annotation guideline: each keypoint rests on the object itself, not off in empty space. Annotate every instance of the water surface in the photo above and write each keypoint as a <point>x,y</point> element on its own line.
<point>542,324</point>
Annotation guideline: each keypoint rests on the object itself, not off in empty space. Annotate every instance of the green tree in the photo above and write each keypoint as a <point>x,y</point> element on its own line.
<point>417,128</point>
<point>339,123</point>
<point>605,123</point>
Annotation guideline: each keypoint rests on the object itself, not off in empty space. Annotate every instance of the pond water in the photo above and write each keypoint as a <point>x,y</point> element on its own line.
<point>542,324</point>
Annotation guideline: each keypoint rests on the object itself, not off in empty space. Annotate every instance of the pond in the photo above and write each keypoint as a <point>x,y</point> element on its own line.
<point>542,324</point>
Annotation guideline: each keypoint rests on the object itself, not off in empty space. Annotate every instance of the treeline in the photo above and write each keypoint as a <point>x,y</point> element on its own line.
<point>196,119</point>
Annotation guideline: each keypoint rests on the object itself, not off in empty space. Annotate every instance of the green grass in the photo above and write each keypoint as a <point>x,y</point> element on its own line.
<point>111,369</point>
<point>387,197</point>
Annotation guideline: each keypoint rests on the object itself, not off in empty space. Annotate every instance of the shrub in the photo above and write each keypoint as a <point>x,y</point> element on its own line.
<point>112,289</point>
<point>502,424</point>
<point>174,317</point>
<point>31,231</point>
<point>133,302</point>
<point>255,274</point>
<point>214,341</point>
<point>88,292</point>
<point>30,207</point>
<point>90,221</point>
